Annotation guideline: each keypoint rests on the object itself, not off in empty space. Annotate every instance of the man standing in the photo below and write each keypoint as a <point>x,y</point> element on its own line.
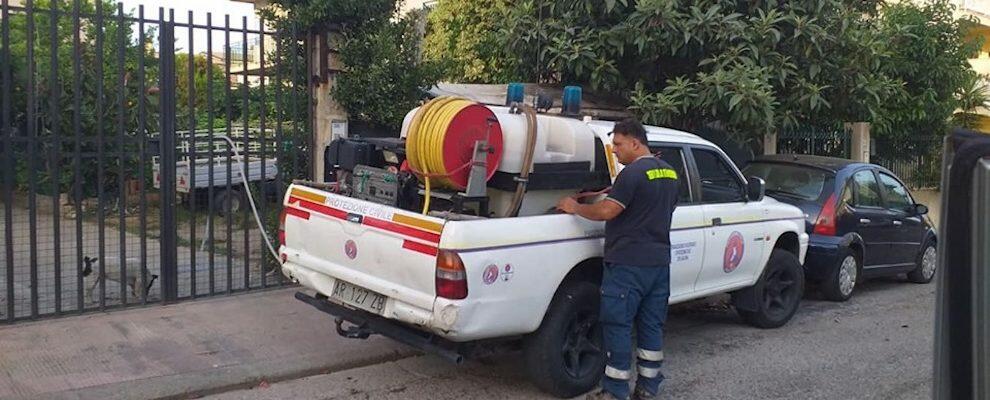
<point>636,274</point>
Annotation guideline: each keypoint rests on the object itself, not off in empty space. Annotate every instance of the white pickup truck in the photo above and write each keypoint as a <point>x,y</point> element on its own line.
<point>454,286</point>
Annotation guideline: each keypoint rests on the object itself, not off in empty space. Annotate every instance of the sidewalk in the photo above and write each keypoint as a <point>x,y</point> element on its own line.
<point>179,351</point>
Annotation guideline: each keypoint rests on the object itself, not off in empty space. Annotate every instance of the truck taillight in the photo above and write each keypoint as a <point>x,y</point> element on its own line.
<point>451,278</point>
<point>281,227</point>
<point>825,224</point>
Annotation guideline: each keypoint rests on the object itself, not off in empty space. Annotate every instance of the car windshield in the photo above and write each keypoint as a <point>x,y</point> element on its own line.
<point>789,180</point>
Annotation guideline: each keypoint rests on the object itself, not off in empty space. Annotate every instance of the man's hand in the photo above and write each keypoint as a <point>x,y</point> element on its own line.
<point>600,211</point>
<point>567,205</point>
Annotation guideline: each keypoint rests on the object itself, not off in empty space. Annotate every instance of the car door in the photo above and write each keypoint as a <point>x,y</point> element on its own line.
<point>908,228</point>
<point>869,217</point>
<point>687,239</point>
<point>734,236</point>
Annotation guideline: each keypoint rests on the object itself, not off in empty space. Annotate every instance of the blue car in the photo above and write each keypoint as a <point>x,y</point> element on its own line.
<point>862,220</point>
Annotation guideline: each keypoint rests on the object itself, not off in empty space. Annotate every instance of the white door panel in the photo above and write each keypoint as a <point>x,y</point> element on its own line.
<point>735,243</point>
<point>687,249</point>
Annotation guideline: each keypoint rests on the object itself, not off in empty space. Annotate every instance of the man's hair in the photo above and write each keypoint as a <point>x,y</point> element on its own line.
<point>631,128</point>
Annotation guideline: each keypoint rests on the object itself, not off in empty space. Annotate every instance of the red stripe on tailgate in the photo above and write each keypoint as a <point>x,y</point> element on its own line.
<point>320,208</point>
<point>297,212</point>
<point>419,247</point>
<point>401,229</point>
<point>369,221</point>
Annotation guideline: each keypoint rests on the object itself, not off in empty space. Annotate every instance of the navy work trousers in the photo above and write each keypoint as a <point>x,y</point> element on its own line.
<point>633,294</point>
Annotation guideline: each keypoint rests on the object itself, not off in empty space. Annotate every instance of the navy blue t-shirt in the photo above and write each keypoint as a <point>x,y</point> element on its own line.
<point>640,234</point>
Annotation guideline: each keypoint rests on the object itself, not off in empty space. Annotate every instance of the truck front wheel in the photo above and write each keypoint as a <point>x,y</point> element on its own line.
<point>776,296</point>
<point>565,357</point>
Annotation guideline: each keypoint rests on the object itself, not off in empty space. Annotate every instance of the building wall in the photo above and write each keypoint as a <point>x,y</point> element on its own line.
<point>980,9</point>
<point>410,5</point>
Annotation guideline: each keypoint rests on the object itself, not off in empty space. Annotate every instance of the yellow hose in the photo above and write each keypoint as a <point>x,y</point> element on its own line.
<point>425,139</point>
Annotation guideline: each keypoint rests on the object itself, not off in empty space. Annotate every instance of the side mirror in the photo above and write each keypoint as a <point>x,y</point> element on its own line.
<point>755,188</point>
<point>920,209</point>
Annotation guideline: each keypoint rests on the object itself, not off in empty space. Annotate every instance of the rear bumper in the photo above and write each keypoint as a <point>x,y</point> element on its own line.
<point>454,320</point>
<point>366,324</point>
<point>823,255</point>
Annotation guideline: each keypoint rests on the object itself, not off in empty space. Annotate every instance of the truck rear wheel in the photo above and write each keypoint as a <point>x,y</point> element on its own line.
<point>778,292</point>
<point>565,357</point>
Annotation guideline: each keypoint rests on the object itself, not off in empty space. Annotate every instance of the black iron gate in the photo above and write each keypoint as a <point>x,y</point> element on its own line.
<point>129,147</point>
<point>832,141</point>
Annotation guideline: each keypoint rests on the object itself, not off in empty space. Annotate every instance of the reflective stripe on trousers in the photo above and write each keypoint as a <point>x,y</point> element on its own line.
<point>618,373</point>
<point>649,355</point>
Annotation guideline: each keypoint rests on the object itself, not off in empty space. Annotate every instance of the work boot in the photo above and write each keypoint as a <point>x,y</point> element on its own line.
<point>642,394</point>
<point>601,395</point>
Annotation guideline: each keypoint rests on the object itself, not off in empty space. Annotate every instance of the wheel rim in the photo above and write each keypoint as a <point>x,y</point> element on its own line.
<point>928,263</point>
<point>230,204</point>
<point>780,292</point>
<point>582,350</point>
<point>847,275</point>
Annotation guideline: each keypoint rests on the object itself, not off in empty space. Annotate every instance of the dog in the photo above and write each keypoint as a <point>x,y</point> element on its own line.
<point>112,273</point>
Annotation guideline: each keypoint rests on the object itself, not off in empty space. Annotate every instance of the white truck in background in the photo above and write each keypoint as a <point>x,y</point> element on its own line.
<point>211,159</point>
<point>455,284</point>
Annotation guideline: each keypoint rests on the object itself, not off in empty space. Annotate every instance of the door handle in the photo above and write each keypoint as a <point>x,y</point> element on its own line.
<point>898,223</point>
<point>864,221</point>
<point>716,221</point>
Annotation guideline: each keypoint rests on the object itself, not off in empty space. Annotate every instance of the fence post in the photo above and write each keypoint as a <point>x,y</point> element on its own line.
<point>770,142</point>
<point>169,251</point>
<point>860,140</point>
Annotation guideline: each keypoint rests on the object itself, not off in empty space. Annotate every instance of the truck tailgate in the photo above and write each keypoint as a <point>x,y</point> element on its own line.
<point>381,248</point>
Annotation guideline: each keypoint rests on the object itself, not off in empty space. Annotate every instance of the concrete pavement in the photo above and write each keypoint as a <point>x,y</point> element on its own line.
<point>876,346</point>
<point>179,351</point>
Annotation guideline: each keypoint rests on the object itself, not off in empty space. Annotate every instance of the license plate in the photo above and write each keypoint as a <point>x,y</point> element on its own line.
<point>359,297</point>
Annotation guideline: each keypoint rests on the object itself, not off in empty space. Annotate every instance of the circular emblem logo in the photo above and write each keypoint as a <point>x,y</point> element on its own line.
<point>733,252</point>
<point>491,274</point>
<point>350,249</point>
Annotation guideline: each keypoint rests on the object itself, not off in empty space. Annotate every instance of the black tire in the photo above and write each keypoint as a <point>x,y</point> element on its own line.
<point>920,274</point>
<point>564,357</point>
<point>778,292</point>
<point>229,201</point>
<point>833,288</point>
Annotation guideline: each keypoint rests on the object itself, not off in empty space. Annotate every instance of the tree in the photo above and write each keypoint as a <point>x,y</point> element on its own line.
<point>201,84</point>
<point>383,77</point>
<point>100,115</point>
<point>929,54</point>
<point>749,67</point>
<point>972,97</point>
<point>459,37</point>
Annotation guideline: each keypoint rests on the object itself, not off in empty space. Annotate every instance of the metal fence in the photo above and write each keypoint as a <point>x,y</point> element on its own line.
<point>93,212</point>
<point>821,141</point>
<point>917,161</point>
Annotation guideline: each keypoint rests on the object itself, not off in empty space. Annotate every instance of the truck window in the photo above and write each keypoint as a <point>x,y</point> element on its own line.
<point>675,157</point>
<point>719,182</point>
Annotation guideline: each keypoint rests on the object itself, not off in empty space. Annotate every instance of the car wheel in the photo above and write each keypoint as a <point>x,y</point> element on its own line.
<point>778,292</point>
<point>927,263</point>
<point>842,280</point>
<point>564,357</point>
<point>228,202</point>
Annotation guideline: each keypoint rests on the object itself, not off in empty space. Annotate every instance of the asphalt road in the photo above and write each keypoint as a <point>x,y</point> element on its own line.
<point>876,346</point>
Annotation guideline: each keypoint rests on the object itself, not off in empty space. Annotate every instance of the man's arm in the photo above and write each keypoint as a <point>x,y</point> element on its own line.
<point>601,211</point>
